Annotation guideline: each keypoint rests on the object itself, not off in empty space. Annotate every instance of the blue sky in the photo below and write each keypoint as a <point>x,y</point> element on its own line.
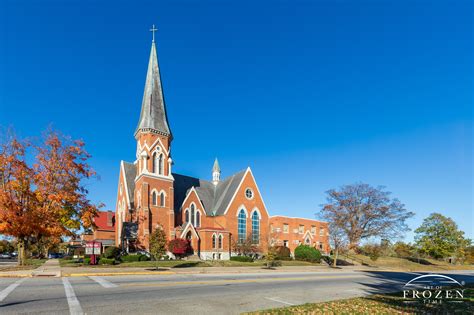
<point>311,94</point>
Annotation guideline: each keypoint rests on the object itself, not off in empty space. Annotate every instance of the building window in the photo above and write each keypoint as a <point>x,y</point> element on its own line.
<point>242,226</point>
<point>320,246</point>
<point>249,193</point>
<point>313,230</point>
<point>220,241</point>
<point>160,164</point>
<point>301,229</point>
<point>193,214</point>
<point>214,241</point>
<point>308,241</point>
<point>285,228</point>
<point>153,198</point>
<point>162,199</point>
<point>321,232</point>
<point>186,215</point>
<point>198,219</point>
<point>154,163</point>
<point>285,243</point>
<point>255,227</point>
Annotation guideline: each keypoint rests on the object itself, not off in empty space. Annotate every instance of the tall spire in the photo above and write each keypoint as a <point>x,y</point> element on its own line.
<point>216,172</point>
<point>153,114</point>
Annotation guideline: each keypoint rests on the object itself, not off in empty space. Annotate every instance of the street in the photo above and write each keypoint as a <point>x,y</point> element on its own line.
<point>192,293</point>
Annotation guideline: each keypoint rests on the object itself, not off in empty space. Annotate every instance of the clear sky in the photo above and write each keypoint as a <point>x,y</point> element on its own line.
<point>311,94</point>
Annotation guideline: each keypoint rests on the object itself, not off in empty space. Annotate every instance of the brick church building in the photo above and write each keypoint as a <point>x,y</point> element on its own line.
<point>213,214</point>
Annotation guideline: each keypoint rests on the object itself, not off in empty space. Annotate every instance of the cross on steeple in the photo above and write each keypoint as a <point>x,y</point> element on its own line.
<point>153,30</point>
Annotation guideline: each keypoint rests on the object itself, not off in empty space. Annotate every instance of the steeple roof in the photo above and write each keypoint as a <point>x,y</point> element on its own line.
<point>153,114</point>
<point>216,167</point>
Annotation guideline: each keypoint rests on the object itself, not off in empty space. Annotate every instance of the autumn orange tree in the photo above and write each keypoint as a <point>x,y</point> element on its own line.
<point>46,198</point>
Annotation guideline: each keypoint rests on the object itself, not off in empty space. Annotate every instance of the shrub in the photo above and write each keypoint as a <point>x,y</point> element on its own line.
<point>241,258</point>
<point>111,252</point>
<point>307,253</point>
<point>273,263</point>
<point>107,261</point>
<point>144,258</point>
<point>179,247</point>
<point>403,250</point>
<point>87,261</point>
<point>374,251</point>
<point>282,253</point>
<point>130,258</point>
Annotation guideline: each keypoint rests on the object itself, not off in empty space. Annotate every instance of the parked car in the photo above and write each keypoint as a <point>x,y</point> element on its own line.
<point>143,252</point>
<point>55,255</point>
<point>5,256</point>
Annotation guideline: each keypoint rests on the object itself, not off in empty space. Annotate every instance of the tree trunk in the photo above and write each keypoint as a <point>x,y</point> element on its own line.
<point>336,253</point>
<point>21,252</point>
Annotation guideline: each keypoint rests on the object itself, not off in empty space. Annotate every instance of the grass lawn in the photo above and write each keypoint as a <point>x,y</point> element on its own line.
<point>378,304</point>
<point>30,264</point>
<point>185,264</point>
<point>407,265</point>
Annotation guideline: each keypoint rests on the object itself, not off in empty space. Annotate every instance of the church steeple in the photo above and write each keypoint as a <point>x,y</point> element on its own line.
<point>216,172</point>
<point>153,114</point>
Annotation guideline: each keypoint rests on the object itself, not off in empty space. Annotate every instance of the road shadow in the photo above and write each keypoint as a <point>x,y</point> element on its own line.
<point>187,264</point>
<point>387,287</point>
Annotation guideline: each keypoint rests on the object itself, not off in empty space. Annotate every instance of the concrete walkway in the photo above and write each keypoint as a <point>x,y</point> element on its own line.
<point>50,268</point>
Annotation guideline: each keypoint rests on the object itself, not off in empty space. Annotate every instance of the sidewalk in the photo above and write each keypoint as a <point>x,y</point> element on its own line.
<point>117,271</point>
<point>50,268</point>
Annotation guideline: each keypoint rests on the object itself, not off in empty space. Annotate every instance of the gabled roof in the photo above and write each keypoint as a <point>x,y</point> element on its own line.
<point>153,116</point>
<point>130,172</point>
<point>215,198</point>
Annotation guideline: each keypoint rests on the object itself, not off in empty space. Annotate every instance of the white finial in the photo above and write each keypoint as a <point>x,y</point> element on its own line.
<point>153,30</point>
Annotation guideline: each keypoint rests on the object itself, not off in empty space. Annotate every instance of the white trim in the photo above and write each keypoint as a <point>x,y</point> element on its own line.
<point>197,195</point>
<point>258,212</point>
<point>284,216</point>
<point>307,232</point>
<point>195,218</point>
<point>214,240</point>
<point>161,145</point>
<point>190,227</point>
<point>242,207</point>
<point>258,190</point>
<point>251,190</point>
<point>125,182</point>
<point>235,193</point>
<point>151,195</point>
<point>184,212</point>
<point>153,175</point>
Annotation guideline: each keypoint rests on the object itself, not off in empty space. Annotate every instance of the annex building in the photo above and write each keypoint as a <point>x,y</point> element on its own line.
<point>213,214</point>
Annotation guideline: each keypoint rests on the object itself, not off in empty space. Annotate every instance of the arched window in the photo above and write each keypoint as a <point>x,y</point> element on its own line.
<point>162,199</point>
<point>155,163</point>
<point>255,228</point>
<point>214,241</point>
<point>220,241</point>
<point>198,219</point>
<point>242,226</point>
<point>153,198</point>
<point>160,164</point>
<point>186,215</point>
<point>193,214</point>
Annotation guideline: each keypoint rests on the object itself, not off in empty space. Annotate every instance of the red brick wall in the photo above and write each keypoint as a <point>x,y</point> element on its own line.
<point>277,232</point>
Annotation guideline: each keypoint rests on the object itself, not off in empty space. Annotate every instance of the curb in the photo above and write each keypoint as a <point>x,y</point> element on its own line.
<point>16,276</point>
<point>106,274</point>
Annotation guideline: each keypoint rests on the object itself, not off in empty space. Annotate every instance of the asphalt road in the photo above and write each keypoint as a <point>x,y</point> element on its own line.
<point>192,294</point>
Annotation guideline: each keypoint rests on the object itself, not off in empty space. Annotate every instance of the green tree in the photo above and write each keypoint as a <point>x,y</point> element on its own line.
<point>158,243</point>
<point>402,249</point>
<point>439,237</point>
